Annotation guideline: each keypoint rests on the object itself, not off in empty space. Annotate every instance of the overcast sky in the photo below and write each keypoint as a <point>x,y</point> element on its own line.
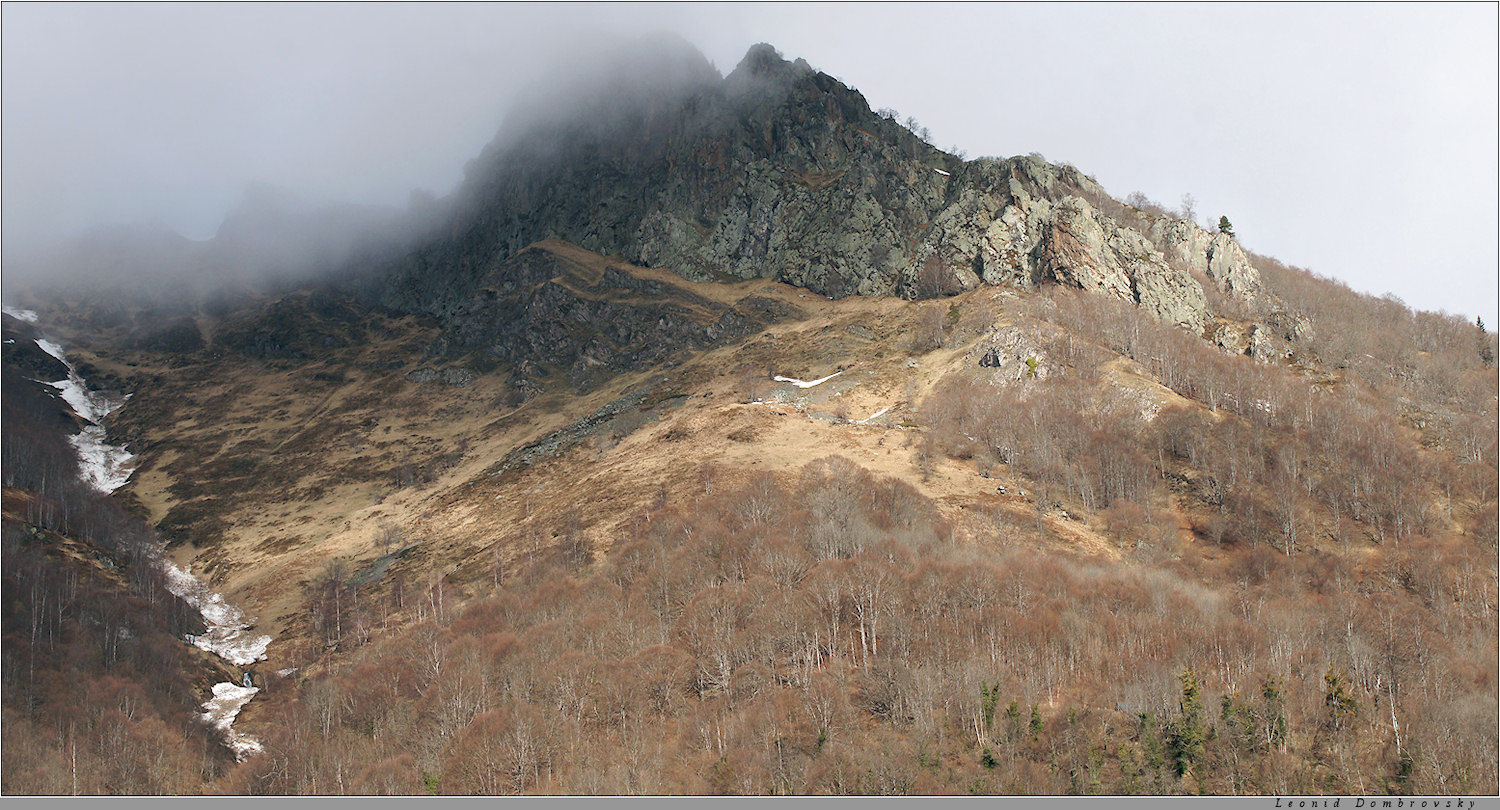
<point>1358,141</point>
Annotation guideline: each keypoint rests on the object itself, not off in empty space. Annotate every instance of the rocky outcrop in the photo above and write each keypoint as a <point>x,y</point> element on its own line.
<point>1260,346</point>
<point>1217,256</point>
<point>295,328</point>
<point>453,375</point>
<point>1013,354</point>
<point>1254,339</point>
<point>1231,270</point>
<point>1227,337</point>
<point>180,336</point>
<point>1087,250</point>
<point>777,170</point>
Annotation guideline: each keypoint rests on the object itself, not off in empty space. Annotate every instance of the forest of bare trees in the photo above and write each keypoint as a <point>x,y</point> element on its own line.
<point>827,634</point>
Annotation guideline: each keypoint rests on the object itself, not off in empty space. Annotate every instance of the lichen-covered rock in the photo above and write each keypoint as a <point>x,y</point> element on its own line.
<point>1231,269</point>
<point>1084,249</point>
<point>1013,354</point>
<point>1228,338</point>
<point>1261,347</point>
<point>1167,293</point>
<point>1076,252</point>
<point>1009,249</point>
<point>1183,241</point>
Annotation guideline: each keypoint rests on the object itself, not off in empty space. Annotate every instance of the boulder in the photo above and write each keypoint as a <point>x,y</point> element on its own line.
<point>1013,354</point>
<point>1228,338</point>
<point>1261,346</point>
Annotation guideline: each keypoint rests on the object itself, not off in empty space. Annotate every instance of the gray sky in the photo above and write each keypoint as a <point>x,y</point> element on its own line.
<point>1356,140</point>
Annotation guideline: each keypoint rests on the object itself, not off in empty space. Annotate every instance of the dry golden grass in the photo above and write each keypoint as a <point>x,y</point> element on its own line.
<point>302,464</point>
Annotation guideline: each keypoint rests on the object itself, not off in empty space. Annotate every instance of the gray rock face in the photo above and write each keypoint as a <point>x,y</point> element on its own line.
<point>1084,249</point>
<point>1261,346</point>
<point>1292,327</point>
<point>1228,338</point>
<point>1076,252</point>
<point>1231,270</point>
<point>1182,241</point>
<point>1013,354</point>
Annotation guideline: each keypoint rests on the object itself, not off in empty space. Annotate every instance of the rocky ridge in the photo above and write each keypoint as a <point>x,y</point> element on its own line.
<point>780,171</point>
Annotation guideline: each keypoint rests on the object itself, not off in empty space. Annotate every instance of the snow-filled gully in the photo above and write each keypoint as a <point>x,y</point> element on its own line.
<point>104,466</point>
<point>229,636</point>
<point>229,633</point>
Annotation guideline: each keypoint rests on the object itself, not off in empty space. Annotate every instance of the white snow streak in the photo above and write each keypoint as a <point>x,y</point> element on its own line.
<point>104,466</point>
<point>223,708</point>
<point>801,384</point>
<point>875,415</point>
<point>21,314</point>
<point>228,635</point>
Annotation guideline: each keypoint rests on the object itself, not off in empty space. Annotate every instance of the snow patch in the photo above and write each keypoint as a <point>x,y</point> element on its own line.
<point>943,173</point>
<point>52,348</point>
<point>801,384</point>
<point>104,466</point>
<point>221,710</point>
<point>875,415</point>
<point>228,635</point>
<point>20,314</point>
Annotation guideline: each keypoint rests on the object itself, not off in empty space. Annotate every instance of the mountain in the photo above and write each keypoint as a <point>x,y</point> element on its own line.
<point>780,171</point>
<point>719,435</point>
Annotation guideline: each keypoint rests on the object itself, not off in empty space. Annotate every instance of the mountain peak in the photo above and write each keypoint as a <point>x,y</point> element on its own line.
<point>763,60</point>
